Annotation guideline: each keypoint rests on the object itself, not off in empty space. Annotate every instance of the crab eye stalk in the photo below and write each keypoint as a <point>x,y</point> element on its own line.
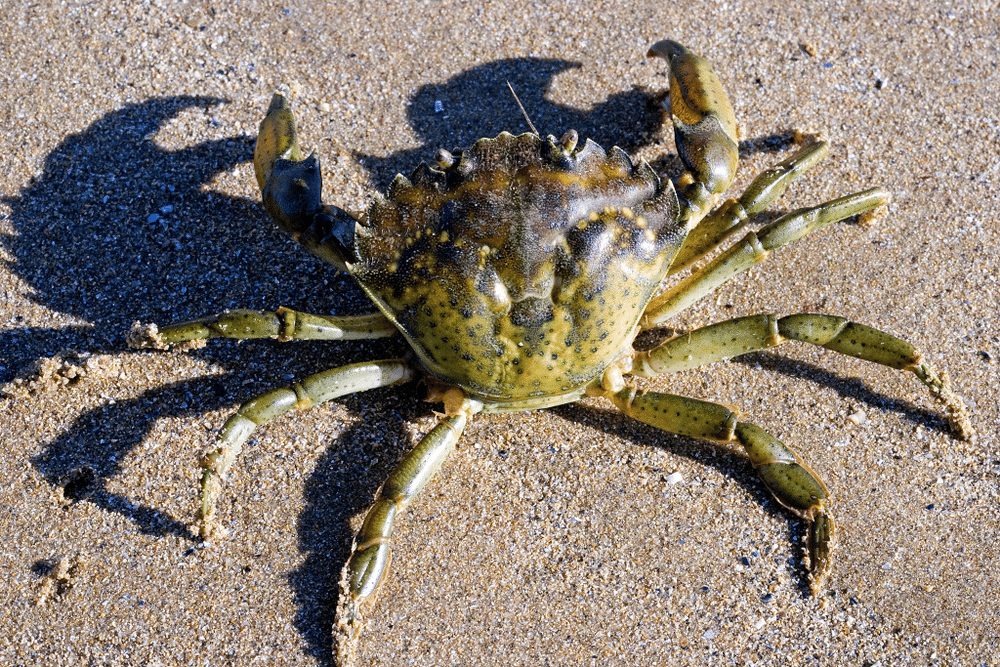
<point>444,159</point>
<point>569,140</point>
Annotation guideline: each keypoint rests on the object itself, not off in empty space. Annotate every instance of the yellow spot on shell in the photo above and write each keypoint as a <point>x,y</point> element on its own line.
<point>443,237</point>
<point>582,225</point>
<point>393,267</point>
<point>627,213</point>
<point>594,216</point>
<point>640,222</point>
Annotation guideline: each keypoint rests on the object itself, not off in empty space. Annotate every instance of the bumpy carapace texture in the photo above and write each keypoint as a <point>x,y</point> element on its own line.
<point>522,268</point>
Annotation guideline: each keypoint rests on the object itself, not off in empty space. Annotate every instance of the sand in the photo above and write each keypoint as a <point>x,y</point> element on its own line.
<point>563,537</point>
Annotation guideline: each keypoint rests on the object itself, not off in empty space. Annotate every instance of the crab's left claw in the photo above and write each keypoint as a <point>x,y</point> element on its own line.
<point>291,185</point>
<point>704,124</point>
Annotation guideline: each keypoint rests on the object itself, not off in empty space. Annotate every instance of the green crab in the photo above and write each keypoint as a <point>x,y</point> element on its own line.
<point>520,271</point>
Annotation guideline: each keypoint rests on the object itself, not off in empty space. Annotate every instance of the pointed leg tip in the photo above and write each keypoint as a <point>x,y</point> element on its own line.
<point>814,148</point>
<point>347,625</point>
<point>819,549</point>
<point>956,412</point>
<point>210,531</point>
<point>819,572</point>
<point>961,424</point>
<point>145,336</point>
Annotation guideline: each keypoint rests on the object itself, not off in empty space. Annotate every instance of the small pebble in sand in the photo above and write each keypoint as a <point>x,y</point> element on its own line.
<point>801,137</point>
<point>858,418</point>
<point>868,217</point>
<point>674,478</point>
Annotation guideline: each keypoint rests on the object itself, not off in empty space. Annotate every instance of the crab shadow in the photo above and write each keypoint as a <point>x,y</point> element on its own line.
<point>732,463</point>
<point>728,462</point>
<point>847,387</point>
<point>477,103</point>
<point>118,228</point>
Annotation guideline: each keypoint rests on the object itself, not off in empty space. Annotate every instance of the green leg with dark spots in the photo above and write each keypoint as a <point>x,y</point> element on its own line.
<point>370,553</point>
<point>283,324</point>
<point>312,390</point>
<point>787,477</point>
<point>758,332</point>
<point>754,248</point>
<point>730,217</point>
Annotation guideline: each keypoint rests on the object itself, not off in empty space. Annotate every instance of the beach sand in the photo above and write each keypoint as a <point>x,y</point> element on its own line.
<point>560,537</point>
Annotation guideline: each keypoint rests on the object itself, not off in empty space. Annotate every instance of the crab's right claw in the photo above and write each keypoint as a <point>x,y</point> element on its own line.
<point>290,185</point>
<point>704,124</point>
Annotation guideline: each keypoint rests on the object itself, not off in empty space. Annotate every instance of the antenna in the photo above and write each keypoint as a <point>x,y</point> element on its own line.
<point>523,112</point>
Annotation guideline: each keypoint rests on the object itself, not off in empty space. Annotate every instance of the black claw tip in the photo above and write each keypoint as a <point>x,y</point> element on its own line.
<point>666,48</point>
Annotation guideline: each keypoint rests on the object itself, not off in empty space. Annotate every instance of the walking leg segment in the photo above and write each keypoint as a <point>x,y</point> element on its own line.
<point>315,389</point>
<point>370,553</point>
<point>732,214</point>
<point>787,477</point>
<point>754,248</point>
<point>283,324</point>
<point>758,332</point>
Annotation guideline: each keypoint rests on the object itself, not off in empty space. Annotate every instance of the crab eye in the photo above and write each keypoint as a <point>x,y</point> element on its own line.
<point>444,159</point>
<point>569,140</point>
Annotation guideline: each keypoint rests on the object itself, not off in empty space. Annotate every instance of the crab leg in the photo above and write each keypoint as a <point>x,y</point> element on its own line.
<point>370,552</point>
<point>786,476</point>
<point>759,332</point>
<point>312,390</point>
<point>732,214</point>
<point>283,324</point>
<point>754,248</point>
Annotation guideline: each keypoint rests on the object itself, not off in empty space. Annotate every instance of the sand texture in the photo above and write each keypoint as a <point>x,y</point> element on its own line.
<point>570,536</point>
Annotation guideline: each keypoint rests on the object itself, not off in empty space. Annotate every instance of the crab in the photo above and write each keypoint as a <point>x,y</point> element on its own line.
<point>520,272</point>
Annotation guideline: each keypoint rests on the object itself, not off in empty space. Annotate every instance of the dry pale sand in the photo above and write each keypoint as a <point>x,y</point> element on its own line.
<point>552,538</point>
